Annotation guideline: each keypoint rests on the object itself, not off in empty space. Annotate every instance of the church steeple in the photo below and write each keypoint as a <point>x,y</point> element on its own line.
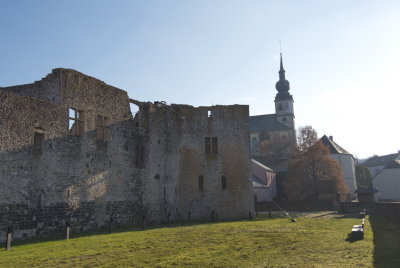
<point>283,85</point>
<point>283,99</point>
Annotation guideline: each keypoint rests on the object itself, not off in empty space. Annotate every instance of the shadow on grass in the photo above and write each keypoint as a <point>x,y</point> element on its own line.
<point>351,239</point>
<point>116,229</point>
<point>348,216</point>
<point>386,240</point>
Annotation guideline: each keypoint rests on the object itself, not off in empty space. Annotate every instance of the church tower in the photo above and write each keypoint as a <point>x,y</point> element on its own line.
<point>283,100</point>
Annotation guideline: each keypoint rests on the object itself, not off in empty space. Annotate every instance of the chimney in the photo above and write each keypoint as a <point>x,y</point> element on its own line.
<point>331,138</point>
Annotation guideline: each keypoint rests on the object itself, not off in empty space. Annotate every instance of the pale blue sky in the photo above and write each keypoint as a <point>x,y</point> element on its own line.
<point>341,57</point>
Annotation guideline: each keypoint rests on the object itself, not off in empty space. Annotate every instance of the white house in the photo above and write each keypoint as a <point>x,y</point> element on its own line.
<point>376,163</point>
<point>264,182</point>
<point>346,162</point>
<point>387,182</point>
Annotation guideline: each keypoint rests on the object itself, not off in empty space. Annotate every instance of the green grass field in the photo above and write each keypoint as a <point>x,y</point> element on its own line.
<point>315,240</point>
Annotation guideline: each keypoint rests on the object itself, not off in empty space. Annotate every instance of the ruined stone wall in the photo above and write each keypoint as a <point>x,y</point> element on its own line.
<point>147,168</point>
<point>68,170</point>
<point>177,157</point>
<point>45,89</point>
<point>229,124</point>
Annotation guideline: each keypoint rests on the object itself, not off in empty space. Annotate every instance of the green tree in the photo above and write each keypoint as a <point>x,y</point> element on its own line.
<point>363,177</point>
<point>312,173</point>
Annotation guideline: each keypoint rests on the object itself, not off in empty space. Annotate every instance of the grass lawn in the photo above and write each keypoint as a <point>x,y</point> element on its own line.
<point>315,240</point>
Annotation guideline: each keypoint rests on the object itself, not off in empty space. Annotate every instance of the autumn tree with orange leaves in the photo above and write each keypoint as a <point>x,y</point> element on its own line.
<point>312,173</point>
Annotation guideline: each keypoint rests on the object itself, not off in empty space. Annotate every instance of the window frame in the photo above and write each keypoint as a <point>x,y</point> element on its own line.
<point>103,131</point>
<point>76,122</point>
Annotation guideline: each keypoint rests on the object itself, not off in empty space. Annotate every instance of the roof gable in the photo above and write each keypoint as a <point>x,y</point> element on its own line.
<point>333,147</point>
<point>262,165</point>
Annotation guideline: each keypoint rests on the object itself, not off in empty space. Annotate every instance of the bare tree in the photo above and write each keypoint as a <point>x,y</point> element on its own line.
<point>312,173</point>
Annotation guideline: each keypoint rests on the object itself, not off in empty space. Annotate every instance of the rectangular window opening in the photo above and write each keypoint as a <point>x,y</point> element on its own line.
<point>211,145</point>
<point>201,183</point>
<point>103,128</point>
<point>223,182</point>
<point>76,121</point>
<point>214,148</point>
<point>38,139</point>
<point>207,144</point>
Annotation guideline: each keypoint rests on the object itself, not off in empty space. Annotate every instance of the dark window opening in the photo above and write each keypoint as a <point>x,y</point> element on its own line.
<point>208,145</point>
<point>201,183</point>
<point>140,159</point>
<point>76,121</point>
<point>103,128</point>
<point>284,119</point>
<point>38,138</point>
<point>211,145</point>
<point>280,108</point>
<point>223,182</point>
<point>214,147</point>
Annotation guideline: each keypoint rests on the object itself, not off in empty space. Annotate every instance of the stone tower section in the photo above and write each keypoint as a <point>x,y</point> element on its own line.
<point>283,100</point>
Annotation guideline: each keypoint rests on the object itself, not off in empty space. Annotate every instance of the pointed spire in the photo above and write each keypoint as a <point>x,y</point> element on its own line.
<point>282,85</point>
<point>281,71</point>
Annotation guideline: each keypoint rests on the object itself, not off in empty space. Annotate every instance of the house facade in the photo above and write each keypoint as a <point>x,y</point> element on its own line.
<point>264,182</point>
<point>387,182</point>
<point>346,162</point>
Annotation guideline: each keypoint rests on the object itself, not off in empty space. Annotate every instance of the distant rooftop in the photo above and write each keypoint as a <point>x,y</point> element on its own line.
<point>382,160</point>
<point>393,164</point>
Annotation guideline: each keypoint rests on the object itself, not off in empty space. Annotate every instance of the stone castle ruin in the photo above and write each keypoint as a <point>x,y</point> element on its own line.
<point>71,151</point>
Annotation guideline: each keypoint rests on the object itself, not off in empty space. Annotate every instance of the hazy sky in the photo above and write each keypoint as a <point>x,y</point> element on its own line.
<point>341,57</point>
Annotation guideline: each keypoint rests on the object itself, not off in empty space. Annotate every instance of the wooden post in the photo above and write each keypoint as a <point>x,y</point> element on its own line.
<point>143,222</point>
<point>168,218</point>
<point>8,241</point>
<point>269,213</point>
<point>68,229</point>
<point>212,215</point>
<point>189,213</point>
<point>9,231</point>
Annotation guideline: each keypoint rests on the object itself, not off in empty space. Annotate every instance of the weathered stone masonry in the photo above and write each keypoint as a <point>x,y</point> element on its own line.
<point>70,150</point>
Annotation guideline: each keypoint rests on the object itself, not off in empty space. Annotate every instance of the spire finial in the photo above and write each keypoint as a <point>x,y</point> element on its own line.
<point>281,70</point>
